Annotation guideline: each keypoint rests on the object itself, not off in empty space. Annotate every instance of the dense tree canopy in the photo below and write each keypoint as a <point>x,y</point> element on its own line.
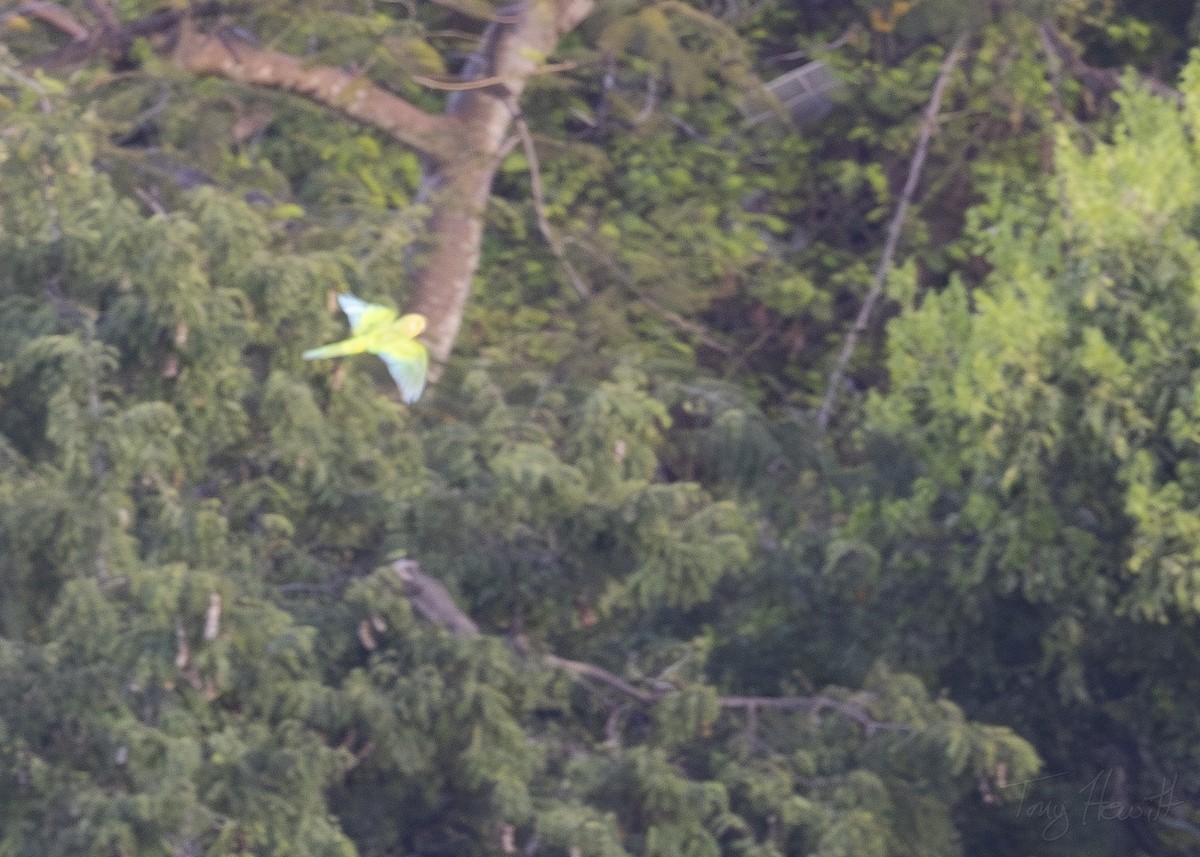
<point>617,584</point>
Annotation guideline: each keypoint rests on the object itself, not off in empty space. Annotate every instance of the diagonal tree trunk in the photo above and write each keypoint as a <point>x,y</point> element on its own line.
<point>511,52</point>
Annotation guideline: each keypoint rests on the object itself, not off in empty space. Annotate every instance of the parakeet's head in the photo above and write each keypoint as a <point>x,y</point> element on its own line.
<point>412,324</point>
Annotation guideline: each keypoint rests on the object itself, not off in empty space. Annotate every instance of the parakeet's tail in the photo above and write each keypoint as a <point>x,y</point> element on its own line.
<point>353,345</point>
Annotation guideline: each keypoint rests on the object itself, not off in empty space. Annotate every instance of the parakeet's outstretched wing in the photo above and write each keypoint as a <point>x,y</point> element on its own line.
<point>408,361</point>
<point>364,317</point>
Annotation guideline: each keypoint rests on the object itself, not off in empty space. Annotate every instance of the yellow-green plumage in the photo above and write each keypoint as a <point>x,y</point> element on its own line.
<point>377,330</point>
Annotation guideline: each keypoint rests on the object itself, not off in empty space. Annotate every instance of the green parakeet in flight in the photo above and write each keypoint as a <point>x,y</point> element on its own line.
<point>377,330</point>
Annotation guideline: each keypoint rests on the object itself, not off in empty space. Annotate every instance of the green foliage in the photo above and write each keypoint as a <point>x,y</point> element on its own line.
<point>1112,315</point>
<point>166,722</point>
<point>1048,408</point>
<point>705,629</point>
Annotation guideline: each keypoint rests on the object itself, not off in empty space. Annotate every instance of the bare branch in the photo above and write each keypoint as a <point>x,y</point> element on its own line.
<point>455,85</point>
<point>328,588</point>
<point>1054,65</point>
<point>672,318</point>
<point>650,103</point>
<point>366,637</point>
<point>893,236</point>
<point>434,603</point>
<point>155,207</point>
<point>350,93</point>
<point>52,15</point>
<point>813,705</point>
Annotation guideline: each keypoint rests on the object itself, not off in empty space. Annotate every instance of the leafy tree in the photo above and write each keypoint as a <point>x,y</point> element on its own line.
<point>597,594</point>
<point>1046,414</point>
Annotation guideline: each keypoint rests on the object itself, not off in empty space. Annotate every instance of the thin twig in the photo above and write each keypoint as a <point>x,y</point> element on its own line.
<point>305,588</point>
<point>452,85</point>
<point>893,236</point>
<point>539,206</point>
<point>607,84</point>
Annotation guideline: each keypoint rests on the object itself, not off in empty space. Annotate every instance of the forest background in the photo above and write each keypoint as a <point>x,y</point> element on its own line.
<point>706,540</point>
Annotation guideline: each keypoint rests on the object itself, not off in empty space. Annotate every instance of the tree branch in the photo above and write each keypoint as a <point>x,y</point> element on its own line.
<point>36,86</point>
<point>200,53</point>
<point>347,92</point>
<point>852,32</point>
<point>893,236</point>
<point>54,16</point>
<point>433,602</point>
<point>453,85</point>
<point>813,705</point>
<point>581,670</point>
<point>88,44</point>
